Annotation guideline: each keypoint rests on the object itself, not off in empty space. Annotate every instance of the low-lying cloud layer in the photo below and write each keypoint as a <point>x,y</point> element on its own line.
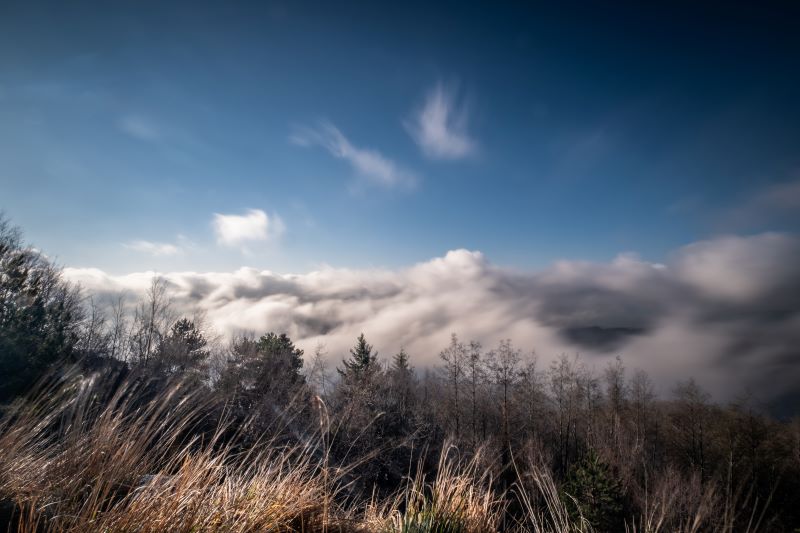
<point>725,311</point>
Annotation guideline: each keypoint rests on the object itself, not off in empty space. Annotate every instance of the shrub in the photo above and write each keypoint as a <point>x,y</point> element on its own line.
<point>593,492</point>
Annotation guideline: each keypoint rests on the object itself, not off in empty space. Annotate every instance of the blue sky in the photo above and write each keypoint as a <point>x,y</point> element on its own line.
<point>283,136</point>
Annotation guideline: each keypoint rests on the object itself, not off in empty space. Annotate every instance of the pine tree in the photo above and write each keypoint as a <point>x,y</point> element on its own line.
<point>280,351</point>
<point>362,360</point>
<point>400,362</point>
<point>263,384</point>
<point>183,349</point>
<point>401,382</point>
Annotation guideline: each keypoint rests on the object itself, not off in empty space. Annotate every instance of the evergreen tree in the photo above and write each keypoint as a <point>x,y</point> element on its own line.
<point>362,360</point>
<point>279,351</point>
<point>593,492</point>
<point>400,362</point>
<point>401,386</point>
<point>40,314</point>
<point>270,366</point>
<point>263,383</point>
<point>183,349</point>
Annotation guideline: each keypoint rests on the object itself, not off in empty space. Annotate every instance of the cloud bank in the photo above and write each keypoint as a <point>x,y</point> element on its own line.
<point>440,126</point>
<point>724,310</point>
<point>369,164</point>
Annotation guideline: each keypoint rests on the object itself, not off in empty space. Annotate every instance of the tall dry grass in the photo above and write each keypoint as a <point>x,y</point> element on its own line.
<point>459,499</point>
<point>104,454</point>
<point>78,457</point>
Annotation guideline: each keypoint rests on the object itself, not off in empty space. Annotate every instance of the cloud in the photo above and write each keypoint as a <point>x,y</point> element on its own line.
<point>153,248</point>
<point>440,126</point>
<point>369,164</point>
<point>782,196</point>
<point>774,205</point>
<point>140,127</point>
<point>724,310</point>
<point>254,226</point>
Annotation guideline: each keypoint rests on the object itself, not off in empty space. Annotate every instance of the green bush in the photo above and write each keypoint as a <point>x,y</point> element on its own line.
<point>593,492</point>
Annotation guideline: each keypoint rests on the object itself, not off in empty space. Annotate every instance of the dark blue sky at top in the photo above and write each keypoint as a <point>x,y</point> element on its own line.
<point>598,129</point>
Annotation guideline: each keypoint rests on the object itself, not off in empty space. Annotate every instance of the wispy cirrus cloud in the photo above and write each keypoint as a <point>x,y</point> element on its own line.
<point>778,202</point>
<point>254,225</point>
<point>140,127</point>
<point>368,163</point>
<point>153,248</point>
<point>439,127</point>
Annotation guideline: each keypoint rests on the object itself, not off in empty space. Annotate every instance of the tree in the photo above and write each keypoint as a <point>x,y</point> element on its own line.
<point>281,354</point>
<point>616,389</point>
<point>564,392</point>
<point>262,381</point>
<point>689,420</point>
<point>616,395</point>
<point>151,321</point>
<point>503,364</point>
<point>40,314</point>
<point>360,402</point>
<point>475,371</point>
<point>118,347</point>
<point>401,385</point>
<point>642,396</point>
<point>93,338</point>
<point>357,390</point>
<point>454,359</point>
<point>182,350</point>
<point>594,493</point>
<point>362,361</point>
<point>318,375</point>
<point>532,394</point>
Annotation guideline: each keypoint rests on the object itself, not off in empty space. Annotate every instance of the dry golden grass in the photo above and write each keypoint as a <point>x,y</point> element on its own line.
<point>82,456</point>
<point>458,500</point>
<point>78,459</point>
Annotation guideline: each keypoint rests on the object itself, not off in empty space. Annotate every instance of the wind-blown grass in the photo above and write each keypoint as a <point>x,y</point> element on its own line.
<point>102,453</point>
<point>458,500</point>
<point>76,458</point>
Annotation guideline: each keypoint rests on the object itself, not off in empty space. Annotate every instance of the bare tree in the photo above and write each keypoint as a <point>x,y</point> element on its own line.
<point>118,348</point>
<point>454,357</point>
<point>616,395</point>
<point>531,393</point>
<point>564,395</point>
<point>152,318</point>
<point>94,337</point>
<point>318,374</point>
<point>689,421</point>
<point>475,370</point>
<point>642,396</point>
<point>503,364</point>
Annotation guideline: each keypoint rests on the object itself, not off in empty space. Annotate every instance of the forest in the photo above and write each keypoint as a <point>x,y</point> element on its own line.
<point>125,416</point>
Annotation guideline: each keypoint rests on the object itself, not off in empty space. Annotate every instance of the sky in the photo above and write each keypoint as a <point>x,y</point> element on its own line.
<point>602,159</point>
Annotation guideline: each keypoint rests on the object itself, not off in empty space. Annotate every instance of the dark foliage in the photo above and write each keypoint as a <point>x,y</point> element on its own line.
<point>40,315</point>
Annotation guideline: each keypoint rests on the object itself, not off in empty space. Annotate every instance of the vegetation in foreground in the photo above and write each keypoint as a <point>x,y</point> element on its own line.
<point>143,422</point>
<point>100,453</point>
